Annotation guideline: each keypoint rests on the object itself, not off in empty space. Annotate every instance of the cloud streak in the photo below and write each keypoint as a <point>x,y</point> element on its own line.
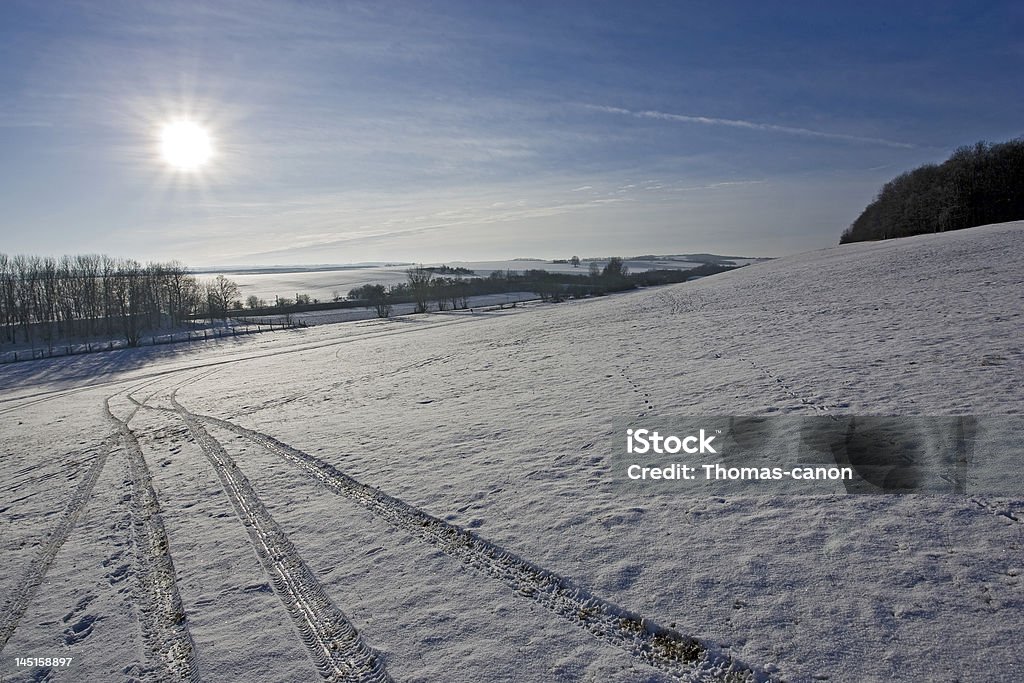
<point>748,125</point>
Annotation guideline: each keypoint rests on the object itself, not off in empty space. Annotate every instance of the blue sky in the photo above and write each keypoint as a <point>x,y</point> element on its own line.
<point>427,131</point>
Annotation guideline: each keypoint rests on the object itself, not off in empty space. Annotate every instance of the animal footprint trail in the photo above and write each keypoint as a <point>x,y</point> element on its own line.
<point>641,394</point>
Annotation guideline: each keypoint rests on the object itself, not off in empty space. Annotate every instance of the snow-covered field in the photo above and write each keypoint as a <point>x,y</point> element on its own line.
<point>433,498</point>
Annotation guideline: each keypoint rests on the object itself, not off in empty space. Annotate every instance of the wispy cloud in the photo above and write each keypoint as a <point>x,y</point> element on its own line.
<point>10,123</point>
<point>472,215</point>
<point>714,186</point>
<point>749,125</point>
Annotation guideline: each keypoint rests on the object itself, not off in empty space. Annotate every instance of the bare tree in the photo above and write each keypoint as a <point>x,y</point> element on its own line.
<point>419,285</point>
<point>441,287</point>
<point>457,295</point>
<point>377,295</point>
<point>7,298</point>
<point>89,293</point>
<point>26,294</point>
<point>126,294</point>
<point>221,295</point>
<point>181,292</point>
<point>615,268</point>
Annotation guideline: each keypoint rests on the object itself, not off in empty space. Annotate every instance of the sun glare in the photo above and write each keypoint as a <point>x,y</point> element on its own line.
<point>185,145</point>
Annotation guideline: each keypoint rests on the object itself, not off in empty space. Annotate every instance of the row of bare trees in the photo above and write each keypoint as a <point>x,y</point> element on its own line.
<point>421,288</point>
<point>45,299</point>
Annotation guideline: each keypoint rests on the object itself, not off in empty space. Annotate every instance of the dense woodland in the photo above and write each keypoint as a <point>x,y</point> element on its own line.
<point>46,299</point>
<point>975,186</point>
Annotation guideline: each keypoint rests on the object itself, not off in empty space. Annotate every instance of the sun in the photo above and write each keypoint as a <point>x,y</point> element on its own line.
<point>185,145</point>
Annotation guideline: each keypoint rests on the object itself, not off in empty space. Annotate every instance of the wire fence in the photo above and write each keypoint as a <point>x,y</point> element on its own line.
<point>74,349</point>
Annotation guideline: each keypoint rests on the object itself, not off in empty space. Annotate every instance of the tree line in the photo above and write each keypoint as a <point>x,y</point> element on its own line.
<point>423,288</point>
<point>50,299</point>
<point>975,186</point>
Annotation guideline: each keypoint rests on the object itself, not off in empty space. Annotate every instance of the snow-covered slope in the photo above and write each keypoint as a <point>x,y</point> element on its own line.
<point>493,539</point>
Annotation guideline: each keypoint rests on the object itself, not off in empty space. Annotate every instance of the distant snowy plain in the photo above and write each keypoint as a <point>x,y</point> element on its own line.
<point>432,498</point>
<point>328,283</point>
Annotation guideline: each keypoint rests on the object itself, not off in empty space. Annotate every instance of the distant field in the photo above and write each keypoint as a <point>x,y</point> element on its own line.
<point>323,285</point>
<point>326,284</point>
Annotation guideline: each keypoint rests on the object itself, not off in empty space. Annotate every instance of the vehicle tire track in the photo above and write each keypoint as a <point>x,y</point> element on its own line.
<point>28,400</point>
<point>168,642</point>
<point>17,603</point>
<point>333,642</point>
<point>684,657</point>
<point>26,475</point>
<point>130,395</point>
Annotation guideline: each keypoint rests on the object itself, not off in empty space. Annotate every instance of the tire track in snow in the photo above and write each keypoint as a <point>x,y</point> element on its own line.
<point>41,397</point>
<point>391,332</point>
<point>17,603</point>
<point>168,642</point>
<point>290,398</point>
<point>333,642</point>
<point>144,402</point>
<point>26,475</point>
<point>686,658</point>
<point>28,400</point>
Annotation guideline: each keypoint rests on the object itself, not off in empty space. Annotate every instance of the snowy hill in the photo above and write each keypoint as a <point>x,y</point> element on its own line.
<point>435,498</point>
